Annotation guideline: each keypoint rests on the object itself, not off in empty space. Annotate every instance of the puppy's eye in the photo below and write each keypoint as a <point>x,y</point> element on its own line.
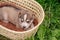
<point>28,21</point>
<point>22,20</point>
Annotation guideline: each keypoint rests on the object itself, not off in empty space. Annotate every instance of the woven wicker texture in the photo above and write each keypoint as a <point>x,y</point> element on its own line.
<point>30,5</point>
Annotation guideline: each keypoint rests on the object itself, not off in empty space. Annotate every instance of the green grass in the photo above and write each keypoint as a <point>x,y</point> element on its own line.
<point>50,28</point>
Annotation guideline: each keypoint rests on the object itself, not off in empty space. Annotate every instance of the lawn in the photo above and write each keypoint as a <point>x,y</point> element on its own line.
<point>50,28</point>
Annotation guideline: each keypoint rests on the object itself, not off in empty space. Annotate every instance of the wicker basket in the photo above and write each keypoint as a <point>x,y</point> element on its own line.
<point>30,5</point>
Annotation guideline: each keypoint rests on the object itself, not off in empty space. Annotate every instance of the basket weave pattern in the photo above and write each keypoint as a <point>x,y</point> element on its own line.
<point>30,5</point>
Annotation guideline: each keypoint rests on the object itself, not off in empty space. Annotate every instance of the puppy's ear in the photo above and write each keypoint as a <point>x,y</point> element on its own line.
<point>19,14</point>
<point>33,16</point>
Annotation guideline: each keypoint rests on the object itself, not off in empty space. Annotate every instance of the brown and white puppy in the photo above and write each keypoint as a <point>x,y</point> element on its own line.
<point>21,18</point>
<point>26,19</point>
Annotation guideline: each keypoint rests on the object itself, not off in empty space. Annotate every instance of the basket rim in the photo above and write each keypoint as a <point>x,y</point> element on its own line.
<point>30,29</point>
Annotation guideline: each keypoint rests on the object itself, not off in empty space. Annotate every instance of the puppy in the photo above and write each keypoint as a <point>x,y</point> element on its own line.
<point>9,14</point>
<point>26,20</point>
<point>20,18</point>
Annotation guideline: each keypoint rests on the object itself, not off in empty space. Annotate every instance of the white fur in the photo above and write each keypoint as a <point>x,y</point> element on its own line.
<point>9,14</point>
<point>25,17</point>
<point>25,24</point>
<point>5,15</point>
